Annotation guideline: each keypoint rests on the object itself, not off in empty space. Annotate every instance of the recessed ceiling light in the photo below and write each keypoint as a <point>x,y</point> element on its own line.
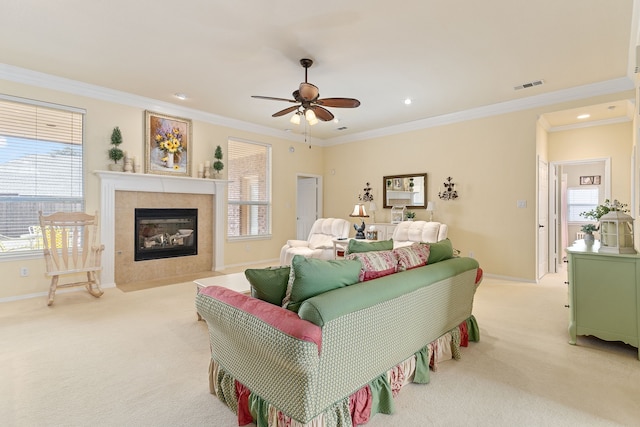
<point>180,96</point>
<point>336,120</point>
<point>407,101</point>
<point>584,116</point>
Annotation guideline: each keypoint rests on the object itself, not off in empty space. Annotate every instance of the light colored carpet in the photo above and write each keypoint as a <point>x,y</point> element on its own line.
<point>140,359</point>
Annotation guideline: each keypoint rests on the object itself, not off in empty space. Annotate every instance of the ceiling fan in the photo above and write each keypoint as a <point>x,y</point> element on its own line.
<point>309,104</point>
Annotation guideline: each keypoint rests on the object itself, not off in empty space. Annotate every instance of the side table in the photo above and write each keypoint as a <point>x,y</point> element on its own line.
<point>341,244</point>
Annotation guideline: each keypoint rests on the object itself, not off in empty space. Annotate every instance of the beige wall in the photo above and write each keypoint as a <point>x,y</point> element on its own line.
<point>100,119</point>
<point>598,142</point>
<point>492,161</point>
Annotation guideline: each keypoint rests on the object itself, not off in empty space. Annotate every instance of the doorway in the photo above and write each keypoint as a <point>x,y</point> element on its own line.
<point>308,203</point>
<point>564,177</point>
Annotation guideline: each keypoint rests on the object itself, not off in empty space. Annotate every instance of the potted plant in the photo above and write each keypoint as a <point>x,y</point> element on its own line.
<point>605,208</point>
<point>115,153</point>
<point>410,215</point>
<point>595,215</point>
<point>588,230</point>
<point>217,164</point>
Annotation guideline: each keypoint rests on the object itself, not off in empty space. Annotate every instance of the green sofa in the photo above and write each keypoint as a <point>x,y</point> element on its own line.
<point>271,365</point>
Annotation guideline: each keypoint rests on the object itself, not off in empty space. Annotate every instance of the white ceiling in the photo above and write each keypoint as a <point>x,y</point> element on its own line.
<point>448,56</point>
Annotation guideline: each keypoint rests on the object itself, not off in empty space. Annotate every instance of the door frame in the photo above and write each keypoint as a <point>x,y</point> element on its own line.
<point>543,193</point>
<point>319,193</point>
<point>555,191</point>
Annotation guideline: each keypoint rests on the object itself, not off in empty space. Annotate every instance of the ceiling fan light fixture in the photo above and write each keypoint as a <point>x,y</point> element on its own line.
<point>310,115</point>
<point>306,98</point>
<point>308,92</point>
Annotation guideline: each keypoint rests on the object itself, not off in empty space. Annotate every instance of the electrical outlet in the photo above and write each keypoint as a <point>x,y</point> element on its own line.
<point>471,254</point>
<point>24,271</point>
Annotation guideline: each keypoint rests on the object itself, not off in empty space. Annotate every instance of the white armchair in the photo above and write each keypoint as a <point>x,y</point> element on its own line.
<point>319,244</point>
<point>410,232</point>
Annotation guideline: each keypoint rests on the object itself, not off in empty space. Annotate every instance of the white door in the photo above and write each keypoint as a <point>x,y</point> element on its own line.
<point>306,205</point>
<point>543,218</point>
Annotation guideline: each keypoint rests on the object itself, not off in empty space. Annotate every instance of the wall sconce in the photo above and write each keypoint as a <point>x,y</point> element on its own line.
<point>448,193</point>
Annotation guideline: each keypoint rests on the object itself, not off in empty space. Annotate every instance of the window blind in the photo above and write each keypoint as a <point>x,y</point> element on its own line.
<point>40,167</point>
<point>249,198</point>
<point>581,200</point>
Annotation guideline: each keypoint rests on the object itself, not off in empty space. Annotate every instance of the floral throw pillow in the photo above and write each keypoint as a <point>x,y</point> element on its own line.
<point>412,256</point>
<point>375,264</point>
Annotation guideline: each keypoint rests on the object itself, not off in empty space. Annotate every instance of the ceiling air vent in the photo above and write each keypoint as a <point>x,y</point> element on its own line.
<point>342,128</point>
<point>528,85</point>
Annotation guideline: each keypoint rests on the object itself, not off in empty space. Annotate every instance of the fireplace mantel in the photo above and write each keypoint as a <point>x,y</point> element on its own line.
<point>110,182</point>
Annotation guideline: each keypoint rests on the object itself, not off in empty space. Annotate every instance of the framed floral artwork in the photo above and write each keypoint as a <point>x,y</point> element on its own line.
<point>167,145</point>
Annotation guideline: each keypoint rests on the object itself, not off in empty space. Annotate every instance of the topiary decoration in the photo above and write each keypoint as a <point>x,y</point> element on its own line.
<point>218,165</point>
<point>116,153</point>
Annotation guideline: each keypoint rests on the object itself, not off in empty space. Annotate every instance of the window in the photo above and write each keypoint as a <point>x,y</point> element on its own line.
<point>249,204</point>
<point>40,169</point>
<point>580,200</point>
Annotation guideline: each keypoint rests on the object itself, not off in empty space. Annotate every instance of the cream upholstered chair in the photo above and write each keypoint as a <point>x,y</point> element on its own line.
<point>410,232</point>
<point>319,244</point>
<point>70,247</point>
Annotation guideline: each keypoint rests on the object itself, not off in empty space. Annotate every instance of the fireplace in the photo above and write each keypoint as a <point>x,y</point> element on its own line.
<point>165,233</point>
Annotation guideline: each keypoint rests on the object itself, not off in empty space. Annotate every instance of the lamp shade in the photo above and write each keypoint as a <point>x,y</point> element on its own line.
<point>372,206</point>
<point>295,119</point>
<point>431,206</point>
<point>359,211</point>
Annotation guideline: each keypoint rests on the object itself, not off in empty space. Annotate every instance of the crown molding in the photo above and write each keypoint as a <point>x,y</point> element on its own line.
<point>579,92</point>
<point>36,78</point>
<point>61,84</point>
<point>589,124</point>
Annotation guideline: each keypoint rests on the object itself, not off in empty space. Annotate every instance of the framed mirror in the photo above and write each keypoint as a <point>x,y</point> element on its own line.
<point>405,190</point>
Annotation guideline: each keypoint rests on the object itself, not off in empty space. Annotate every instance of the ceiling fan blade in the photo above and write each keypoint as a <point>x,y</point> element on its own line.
<point>285,111</point>
<point>338,102</point>
<point>273,99</point>
<point>308,92</point>
<point>322,113</point>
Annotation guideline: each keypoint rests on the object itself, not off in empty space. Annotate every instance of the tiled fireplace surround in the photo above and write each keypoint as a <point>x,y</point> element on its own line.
<point>121,193</point>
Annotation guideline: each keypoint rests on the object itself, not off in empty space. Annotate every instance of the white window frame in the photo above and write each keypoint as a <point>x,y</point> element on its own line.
<point>254,204</point>
<point>42,200</point>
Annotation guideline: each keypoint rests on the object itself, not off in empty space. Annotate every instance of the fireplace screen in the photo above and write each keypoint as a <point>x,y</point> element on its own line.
<point>165,233</point>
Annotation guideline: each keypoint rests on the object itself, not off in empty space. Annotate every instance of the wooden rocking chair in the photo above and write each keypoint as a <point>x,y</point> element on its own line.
<point>69,244</point>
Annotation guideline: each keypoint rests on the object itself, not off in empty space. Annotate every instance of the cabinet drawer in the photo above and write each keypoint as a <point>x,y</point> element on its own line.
<point>605,296</point>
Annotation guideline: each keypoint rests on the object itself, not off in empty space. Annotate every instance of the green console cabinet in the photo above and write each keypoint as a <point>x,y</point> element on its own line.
<point>604,297</point>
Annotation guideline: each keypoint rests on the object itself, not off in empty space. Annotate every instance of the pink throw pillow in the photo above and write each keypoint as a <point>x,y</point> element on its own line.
<point>375,264</point>
<point>412,256</point>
